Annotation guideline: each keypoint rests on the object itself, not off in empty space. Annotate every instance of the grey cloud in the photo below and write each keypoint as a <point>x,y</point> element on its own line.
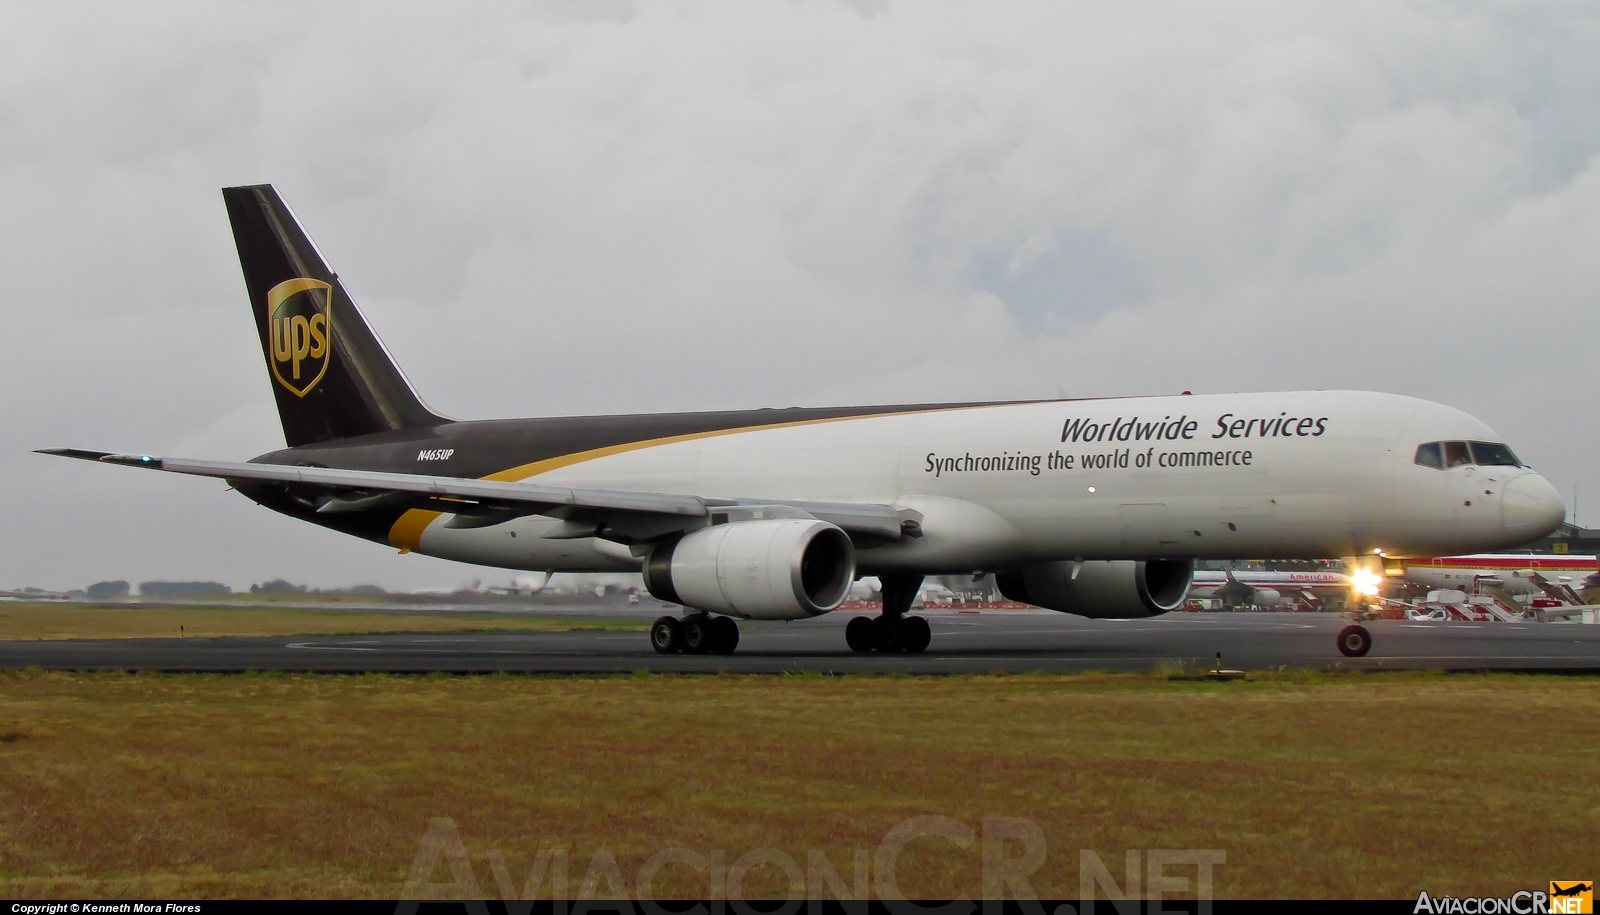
<point>559,207</point>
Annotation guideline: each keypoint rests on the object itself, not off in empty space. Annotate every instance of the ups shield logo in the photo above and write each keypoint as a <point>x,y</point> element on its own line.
<point>300,325</point>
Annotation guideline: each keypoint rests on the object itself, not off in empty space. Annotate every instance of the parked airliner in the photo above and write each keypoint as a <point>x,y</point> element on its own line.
<point>1518,574</point>
<point>1096,507</point>
<point>1266,589</point>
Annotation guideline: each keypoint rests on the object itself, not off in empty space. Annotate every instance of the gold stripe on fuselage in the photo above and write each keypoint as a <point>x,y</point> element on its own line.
<point>406,532</point>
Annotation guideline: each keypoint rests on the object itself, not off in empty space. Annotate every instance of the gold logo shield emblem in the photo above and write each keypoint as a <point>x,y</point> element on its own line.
<point>300,326</point>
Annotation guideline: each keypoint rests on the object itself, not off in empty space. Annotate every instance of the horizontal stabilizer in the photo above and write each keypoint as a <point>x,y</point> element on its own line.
<point>78,453</point>
<point>380,481</point>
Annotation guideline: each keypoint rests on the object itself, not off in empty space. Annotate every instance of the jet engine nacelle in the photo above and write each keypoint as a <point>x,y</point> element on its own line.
<point>777,569</point>
<point>1121,589</point>
<point>1266,597</point>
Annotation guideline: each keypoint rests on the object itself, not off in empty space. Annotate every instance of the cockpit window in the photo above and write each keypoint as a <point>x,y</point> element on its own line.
<point>1493,454</point>
<point>1442,455</point>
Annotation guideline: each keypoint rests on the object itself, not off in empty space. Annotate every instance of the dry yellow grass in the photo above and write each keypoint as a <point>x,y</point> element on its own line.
<point>263,785</point>
<point>73,621</point>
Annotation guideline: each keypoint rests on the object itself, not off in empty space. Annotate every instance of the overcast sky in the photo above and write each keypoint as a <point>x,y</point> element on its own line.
<point>575,207</point>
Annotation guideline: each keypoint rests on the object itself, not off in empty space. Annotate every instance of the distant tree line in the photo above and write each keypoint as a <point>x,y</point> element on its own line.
<point>170,590</point>
<point>284,586</point>
<point>164,590</point>
<point>107,590</point>
<point>112,590</point>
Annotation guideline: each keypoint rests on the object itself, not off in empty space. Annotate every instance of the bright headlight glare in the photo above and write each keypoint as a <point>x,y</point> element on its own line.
<point>1365,582</point>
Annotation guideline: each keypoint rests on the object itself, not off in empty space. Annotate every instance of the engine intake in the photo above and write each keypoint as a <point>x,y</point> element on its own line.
<point>779,569</point>
<point>1119,589</point>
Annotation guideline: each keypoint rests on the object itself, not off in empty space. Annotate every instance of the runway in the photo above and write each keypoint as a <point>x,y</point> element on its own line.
<point>1009,641</point>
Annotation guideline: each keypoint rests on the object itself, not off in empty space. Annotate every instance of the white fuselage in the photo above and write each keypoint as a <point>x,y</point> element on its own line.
<point>1308,474</point>
<point>1511,572</point>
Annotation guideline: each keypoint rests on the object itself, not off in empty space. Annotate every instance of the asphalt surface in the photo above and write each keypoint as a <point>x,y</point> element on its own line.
<point>1008,640</point>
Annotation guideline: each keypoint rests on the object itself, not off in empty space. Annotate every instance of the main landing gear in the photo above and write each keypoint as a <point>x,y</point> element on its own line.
<point>697,633</point>
<point>893,631</point>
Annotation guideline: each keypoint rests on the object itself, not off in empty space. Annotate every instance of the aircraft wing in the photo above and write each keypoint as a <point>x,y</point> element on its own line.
<point>349,490</point>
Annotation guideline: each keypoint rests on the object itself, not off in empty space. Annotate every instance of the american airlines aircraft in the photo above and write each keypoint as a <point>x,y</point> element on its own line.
<point>1266,589</point>
<point>1094,507</point>
<point>1517,574</point>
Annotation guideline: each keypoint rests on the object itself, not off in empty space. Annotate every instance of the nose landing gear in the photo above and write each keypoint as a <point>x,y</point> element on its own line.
<point>1355,641</point>
<point>893,631</point>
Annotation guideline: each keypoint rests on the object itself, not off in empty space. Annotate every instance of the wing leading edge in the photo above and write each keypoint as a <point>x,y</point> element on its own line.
<point>487,502</point>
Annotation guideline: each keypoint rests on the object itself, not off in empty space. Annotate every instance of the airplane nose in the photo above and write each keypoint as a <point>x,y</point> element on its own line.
<point>1531,507</point>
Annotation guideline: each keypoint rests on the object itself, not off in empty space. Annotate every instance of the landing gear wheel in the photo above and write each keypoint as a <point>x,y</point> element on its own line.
<point>665,635</point>
<point>724,635</point>
<point>858,634</point>
<point>1354,641</point>
<point>697,637</point>
<point>915,634</point>
<point>887,634</point>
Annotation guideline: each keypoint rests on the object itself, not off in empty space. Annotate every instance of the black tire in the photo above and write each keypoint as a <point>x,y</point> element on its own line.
<point>724,635</point>
<point>697,634</point>
<point>1354,641</point>
<point>666,636</point>
<point>858,634</point>
<point>887,636</point>
<point>915,634</point>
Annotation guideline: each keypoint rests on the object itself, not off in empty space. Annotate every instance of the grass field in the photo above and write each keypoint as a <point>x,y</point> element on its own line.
<point>1312,785</point>
<point>75,621</point>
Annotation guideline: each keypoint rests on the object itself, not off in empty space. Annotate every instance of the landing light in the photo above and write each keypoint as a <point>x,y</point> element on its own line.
<point>1365,582</point>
